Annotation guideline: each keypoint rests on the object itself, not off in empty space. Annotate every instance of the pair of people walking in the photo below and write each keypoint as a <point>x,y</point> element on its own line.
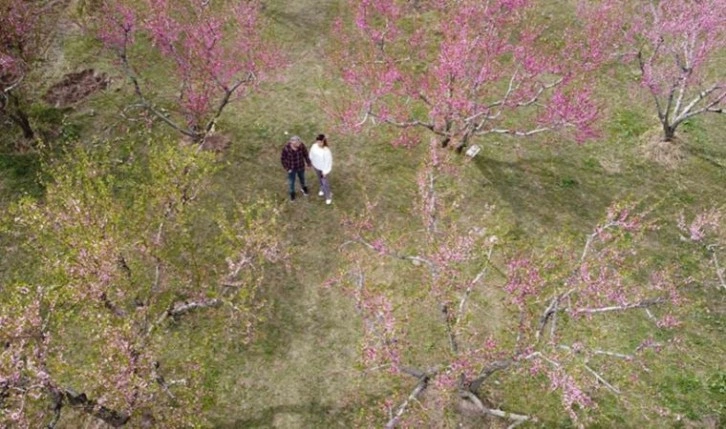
<point>295,158</point>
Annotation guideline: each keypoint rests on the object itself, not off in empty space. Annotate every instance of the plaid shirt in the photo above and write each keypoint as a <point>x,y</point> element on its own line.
<point>294,159</point>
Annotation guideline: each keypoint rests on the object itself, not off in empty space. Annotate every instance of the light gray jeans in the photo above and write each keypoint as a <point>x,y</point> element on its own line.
<point>324,184</point>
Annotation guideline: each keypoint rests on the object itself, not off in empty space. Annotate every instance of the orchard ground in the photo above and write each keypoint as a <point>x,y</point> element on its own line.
<point>303,369</point>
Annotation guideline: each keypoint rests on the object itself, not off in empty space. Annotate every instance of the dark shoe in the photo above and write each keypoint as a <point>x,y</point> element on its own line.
<point>305,190</point>
<point>292,196</point>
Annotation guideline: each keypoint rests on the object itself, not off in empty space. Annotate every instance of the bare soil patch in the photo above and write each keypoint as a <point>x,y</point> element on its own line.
<point>217,143</point>
<point>76,87</point>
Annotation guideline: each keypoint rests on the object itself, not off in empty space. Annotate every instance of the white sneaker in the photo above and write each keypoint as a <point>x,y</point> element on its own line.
<point>320,194</point>
<point>328,201</point>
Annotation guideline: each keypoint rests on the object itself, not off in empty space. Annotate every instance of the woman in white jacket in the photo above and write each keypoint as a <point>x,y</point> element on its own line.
<point>322,160</point>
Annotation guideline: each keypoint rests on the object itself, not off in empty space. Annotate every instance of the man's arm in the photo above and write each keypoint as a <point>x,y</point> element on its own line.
<point>307,157</point>
<point>285,159</point>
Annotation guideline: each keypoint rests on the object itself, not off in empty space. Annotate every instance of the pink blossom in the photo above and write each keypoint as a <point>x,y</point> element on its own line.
<point>537,367</point>
<point>379,246</point>
<point>668,322</point>
<point>703,223</point>
<point>120,27</point>
<point>572,394</point>
<point>524,280</point>
<point>490,343</point>
<point>649,343</point>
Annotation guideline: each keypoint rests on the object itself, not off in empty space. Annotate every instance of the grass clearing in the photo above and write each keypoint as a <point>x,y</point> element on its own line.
<point>303,368</point>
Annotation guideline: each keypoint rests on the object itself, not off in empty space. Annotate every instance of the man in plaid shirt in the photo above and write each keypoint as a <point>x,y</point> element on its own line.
<point>294,158</point>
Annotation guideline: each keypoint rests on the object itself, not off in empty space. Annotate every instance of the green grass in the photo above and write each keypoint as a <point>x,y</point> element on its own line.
<point>302,369</point>
<point>20,175</point>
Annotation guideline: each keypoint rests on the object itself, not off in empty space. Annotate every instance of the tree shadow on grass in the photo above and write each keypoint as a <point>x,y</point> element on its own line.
<point>712,156</point>
<point>553,193</point>
<point>305,21</point>
<point>20,173</point>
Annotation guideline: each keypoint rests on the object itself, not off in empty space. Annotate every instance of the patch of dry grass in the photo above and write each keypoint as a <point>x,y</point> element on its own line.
<point>669,155</point>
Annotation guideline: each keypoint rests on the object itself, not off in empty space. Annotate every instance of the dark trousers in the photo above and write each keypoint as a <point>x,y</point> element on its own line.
<point>291,180</point>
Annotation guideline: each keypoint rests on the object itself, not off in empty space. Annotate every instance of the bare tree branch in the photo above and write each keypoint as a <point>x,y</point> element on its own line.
<point>182,307</point>
<point>160,379</point>
<point>420,387</point>
<point>719,270</point>
<point>453,344</point>
<point>599,352</point>
<point>123,56</point>
<point>470,286</point>
<point>602,380</point>
<point>113,308</point>
<point>549,312</point>
<point>222,104</point>
<point>57,398</point>
<point>413,372</point>
<point>515,132</point>
<point>642,304</point>
<point>407,124</point>
<point>687,113</point>
<point>487,371</point>
<point>518,418</point>
<point>413,258</point>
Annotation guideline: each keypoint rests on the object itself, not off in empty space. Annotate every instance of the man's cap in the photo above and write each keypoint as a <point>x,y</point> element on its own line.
<point>295,139</point>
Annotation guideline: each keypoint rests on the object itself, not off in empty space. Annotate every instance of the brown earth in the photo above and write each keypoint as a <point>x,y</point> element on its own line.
<point>75,87</point>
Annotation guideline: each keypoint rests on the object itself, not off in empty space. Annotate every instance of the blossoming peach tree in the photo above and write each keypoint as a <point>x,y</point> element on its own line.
<point>113,257</point>
<point>215,53</point>
<point>463,69</point>
<point>25,30</point>
<point>677,47</point>
<point>486,331</point>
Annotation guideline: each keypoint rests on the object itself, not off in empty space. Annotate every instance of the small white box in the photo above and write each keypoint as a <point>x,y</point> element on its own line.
<point>473,150</point>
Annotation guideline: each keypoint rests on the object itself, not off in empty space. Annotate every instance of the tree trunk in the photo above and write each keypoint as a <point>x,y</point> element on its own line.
<point>20,118</point>
<point>669,132</point>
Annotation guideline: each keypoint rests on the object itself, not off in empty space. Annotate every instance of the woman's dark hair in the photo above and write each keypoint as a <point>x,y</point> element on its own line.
<point>321,138</point>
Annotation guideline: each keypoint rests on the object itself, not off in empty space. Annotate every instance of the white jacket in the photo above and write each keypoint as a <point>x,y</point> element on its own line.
<point>321,158</point>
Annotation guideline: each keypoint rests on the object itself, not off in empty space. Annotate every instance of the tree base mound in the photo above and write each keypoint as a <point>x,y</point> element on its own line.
<point>669,154</point>
<point>217,143</point>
